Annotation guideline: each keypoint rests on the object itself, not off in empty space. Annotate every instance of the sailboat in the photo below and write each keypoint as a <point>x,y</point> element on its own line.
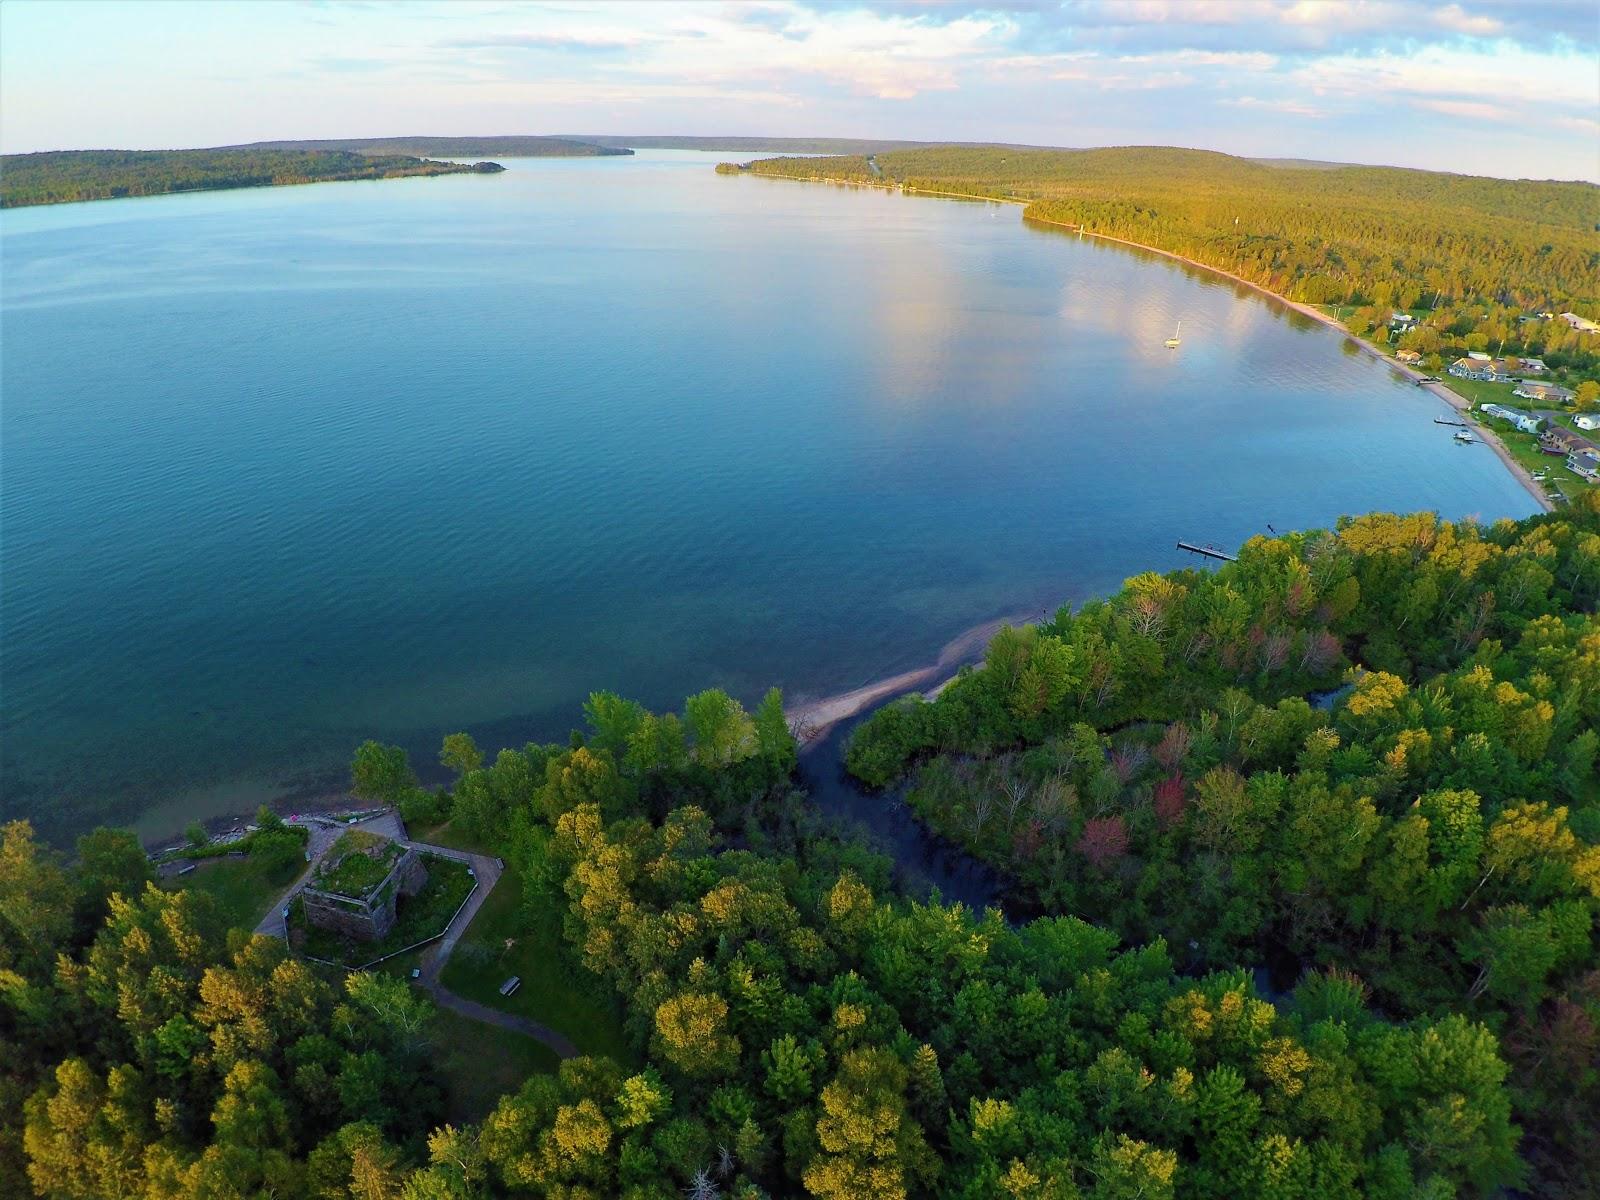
<point>1175,340</point>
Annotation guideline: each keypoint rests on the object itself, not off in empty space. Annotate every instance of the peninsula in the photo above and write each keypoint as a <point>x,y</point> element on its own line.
<point>64,176</point>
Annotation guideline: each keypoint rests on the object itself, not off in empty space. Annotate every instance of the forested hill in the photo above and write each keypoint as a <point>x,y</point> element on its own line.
<point>454,147</point>
<point>763,1009</point>
<point>61,176</point>
<point>1318,233</point>
<point>755,145</point>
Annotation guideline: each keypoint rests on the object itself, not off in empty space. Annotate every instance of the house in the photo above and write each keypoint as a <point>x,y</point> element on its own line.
<point>1407,356</point>
<point>1585,464</point>
<point>1581,324</point>
<point>1548,392</point>
<point>1532,366</point>
<point>1479,367</point>
<point>1527,422</point>
<point>1479,356</point>
<point>1402,321</point>
<point>1587,421</point>
<point>1557,440</point>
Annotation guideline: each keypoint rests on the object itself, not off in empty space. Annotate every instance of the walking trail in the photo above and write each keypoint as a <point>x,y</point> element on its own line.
<point>324,832</point>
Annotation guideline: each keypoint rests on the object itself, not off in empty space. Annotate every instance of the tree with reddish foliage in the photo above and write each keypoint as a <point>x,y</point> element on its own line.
<point>1126,761</point>
<point>1274,651</point>
<point>1104,841</point>
<point>1025,845</point>
<point>1173,747</point>
<point>1170,800</point>
<point>1557,1057</point>
<point>1320,651</point>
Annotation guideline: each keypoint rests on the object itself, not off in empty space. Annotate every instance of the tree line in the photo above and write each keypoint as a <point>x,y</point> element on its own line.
<point>1153,763</point>
<point>59,177</point>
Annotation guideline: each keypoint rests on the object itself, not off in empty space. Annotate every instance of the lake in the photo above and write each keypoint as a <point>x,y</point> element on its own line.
<point>283,469</point>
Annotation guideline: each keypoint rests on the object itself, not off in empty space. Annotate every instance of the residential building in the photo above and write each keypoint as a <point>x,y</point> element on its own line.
<point>1527,422</point>
<point>1585,463</point>
<point>1586,421</point>
<point>1581,324</point>
<point>1559,440</point>
<point>1402,321</point>
<point>1549,393</point>
<point>1533,366</point>
<point>1407,356</point>
<point>1483,368</point>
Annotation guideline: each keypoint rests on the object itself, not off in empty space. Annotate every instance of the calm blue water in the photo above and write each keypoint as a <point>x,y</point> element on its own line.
<point>284,469</point>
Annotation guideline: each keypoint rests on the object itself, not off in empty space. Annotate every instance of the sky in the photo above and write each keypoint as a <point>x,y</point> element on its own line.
<point>1486,87</point>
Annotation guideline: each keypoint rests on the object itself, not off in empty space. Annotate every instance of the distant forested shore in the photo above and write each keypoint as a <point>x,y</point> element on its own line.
<point>1471,263</point>
<point>63,176</point>
<point>516,146</point>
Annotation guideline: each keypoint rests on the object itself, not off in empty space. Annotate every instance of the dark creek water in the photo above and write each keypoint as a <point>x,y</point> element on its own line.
<point>284,469</point>
<point>924,861</point>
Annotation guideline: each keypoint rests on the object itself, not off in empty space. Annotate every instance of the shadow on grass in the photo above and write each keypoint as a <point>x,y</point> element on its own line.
<point>517,933</point>
<point>244,888</point>
<point>477,1064</point>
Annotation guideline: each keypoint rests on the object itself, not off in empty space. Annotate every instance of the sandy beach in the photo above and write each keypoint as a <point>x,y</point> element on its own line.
<point>812,719</point>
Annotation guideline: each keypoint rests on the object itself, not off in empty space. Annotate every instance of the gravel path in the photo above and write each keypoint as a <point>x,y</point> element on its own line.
<point>487,872</point>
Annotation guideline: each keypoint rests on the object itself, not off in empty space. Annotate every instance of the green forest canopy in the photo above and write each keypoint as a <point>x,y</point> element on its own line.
<point>1418,857</point>
<point>1318,233</point>
<point>61,176</point>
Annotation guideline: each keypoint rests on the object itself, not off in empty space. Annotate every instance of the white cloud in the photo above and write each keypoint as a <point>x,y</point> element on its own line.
<point>1294,108</point>
<point>1444,72</point>
<point>1477,110</point>
<point>1584,125</point>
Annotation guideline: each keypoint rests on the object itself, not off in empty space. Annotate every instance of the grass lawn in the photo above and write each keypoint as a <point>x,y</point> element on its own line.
<point>243,888</point>
<point>1524,447</point>
<point>424,915</point>
<point>448,836</point>
<point>479,1063</point>
<point>357,863</point>
<point>556,990</point>
<point>1480,391</point>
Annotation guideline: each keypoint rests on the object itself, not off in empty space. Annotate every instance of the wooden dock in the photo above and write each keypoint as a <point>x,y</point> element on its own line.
<point>1208,551</point>
<point>1448,421</point>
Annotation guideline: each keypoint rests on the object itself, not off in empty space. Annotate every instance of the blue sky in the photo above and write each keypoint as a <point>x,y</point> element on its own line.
<point>1496,87</point>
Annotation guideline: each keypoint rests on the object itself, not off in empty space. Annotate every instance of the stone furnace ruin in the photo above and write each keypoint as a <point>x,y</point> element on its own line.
<point>354,889</point>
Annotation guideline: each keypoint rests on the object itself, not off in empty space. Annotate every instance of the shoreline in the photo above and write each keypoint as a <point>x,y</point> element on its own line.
<point>812,721</point>
<point>1462,405</point>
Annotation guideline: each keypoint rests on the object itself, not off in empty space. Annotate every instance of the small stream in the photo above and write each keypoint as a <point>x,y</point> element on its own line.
<point>923,860</point>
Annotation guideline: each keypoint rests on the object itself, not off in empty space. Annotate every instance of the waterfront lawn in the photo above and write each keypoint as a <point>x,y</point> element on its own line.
<point>1478,391</point>
<point>556,990</point>
<point>478,1064</point>
<point>425,915</point>
<point>1524,447</point>
<point>244,888</point>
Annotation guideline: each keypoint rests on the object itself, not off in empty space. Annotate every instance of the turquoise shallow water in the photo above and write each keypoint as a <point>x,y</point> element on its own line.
<point>283,469</point>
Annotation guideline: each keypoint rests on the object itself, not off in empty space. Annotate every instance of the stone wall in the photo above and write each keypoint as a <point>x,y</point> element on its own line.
<point>368,918</point>
<point>413,875</point>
